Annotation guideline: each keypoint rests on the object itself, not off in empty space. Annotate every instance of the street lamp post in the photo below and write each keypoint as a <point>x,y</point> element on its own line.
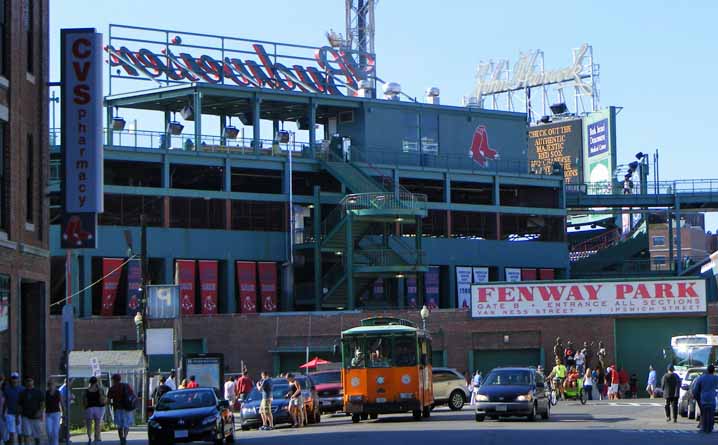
<point>424,312</point>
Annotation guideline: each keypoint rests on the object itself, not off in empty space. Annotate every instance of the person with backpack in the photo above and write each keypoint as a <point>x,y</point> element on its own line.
<point>161,389</point>
<point>94,400</point>
<point>123,401</point>
<point>671,385</point>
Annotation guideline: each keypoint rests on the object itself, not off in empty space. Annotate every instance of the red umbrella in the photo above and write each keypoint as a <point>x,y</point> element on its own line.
<point>313,363</point>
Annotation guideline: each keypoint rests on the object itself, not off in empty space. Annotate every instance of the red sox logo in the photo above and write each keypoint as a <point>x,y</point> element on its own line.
<point>75,233</point>
<point>269,305</point>
<point>480,151</point>
<point>209,305</point>
<point>187,304</point>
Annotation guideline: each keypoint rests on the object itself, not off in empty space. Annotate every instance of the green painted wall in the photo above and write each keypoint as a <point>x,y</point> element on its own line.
<point>486,360</point>
<point>640,342</point>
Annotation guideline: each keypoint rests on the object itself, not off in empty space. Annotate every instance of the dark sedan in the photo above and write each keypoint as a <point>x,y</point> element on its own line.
<point>513,392</point>
<point>191,415</point>
<point>249,414</point>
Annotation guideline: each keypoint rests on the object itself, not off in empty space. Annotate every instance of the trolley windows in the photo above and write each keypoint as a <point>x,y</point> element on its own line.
<point>379,351</point>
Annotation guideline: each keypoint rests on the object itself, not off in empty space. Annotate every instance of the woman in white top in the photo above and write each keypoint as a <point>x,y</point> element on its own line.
<point>588,384</point>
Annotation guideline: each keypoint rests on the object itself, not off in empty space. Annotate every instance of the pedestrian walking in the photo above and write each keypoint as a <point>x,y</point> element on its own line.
<point>476,383</point>
<point>671,385</point>
<point>244,386</point>
<point>623,383</point>
<point>651,383</point>
<point>600,382</point>
<point>11,393</point>
<point>230,391</point>
<point>296,402</point>
<point>172,381</point>
<point>3,429</point>
<point>704,391</point>
<point>53,413</point>
<point>93,401</point>
<point>580,360</point>
<point>31,404</point>
<point>264,386</point>
<point>160,390</point>
<point>123,401</point>
<point>588,384</point>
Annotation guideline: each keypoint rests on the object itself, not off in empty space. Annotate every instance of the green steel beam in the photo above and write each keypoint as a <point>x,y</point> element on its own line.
<point>197,104</point>
<point>317,227</point>
<point>349,267</point>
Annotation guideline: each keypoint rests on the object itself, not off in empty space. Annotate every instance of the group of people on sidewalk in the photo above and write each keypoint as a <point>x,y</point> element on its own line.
<point>120,397</point>
<point>26,412</point>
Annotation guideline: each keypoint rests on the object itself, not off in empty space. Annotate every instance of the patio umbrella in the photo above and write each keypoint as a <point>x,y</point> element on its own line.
<point>313,363</point>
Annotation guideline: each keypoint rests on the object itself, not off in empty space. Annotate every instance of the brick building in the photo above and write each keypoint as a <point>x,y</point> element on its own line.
<point>24,247</point>
<point>694,243</point>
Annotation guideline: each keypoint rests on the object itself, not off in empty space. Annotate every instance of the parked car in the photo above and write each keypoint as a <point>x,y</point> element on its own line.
<point>191,415</point>
<point>686,402</point>
<point>449,388</point>
<point>249,414</point>
<point>329,390</point>
<point>513,392</point>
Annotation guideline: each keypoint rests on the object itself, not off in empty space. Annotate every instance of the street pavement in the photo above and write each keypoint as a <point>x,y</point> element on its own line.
<point>601,422</point>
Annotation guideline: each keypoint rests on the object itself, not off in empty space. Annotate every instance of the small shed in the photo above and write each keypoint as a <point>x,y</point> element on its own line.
<point>124,363</point>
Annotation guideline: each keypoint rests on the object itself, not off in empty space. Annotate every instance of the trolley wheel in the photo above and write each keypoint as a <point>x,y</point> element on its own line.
<point>356,418</point>
<point>374,416</point>
<point>426,412</point>
<point>364,416</point>
<point>416,414</point>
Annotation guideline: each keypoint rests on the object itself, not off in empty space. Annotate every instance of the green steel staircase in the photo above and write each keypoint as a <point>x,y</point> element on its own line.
<point>362,231</point>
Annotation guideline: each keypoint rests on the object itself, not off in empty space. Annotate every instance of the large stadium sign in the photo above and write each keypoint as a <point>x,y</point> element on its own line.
<point>179,58</point>
<point>590,298</point>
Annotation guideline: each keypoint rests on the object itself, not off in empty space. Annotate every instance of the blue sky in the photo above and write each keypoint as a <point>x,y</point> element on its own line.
<point>658,58</point>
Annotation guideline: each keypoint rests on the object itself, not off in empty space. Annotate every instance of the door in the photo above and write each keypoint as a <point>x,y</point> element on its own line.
<point>441,384</point>
<point>33,323</point>
<point>486,360</point>
<point>640,342</point>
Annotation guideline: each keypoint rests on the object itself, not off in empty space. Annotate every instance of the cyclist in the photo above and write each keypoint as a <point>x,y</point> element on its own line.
<point>558,374</point>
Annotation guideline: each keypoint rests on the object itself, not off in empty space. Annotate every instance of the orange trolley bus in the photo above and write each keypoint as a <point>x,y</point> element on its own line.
<point>386,368</point>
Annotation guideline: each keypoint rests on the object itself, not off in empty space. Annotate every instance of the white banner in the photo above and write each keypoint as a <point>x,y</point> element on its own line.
<point>569,298</point>
<point>481,274</point>
<point>513,274</point>
<point>160,341</point>
<point>463,286</point>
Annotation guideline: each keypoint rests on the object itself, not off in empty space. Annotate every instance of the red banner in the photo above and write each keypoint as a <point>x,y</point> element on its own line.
<point>546,274</point>
<point>208,285</point>
<point>111,270</point>
<point>268,286</point>
<point>247,279</point>
<point>184,277</point>
<point>528,275</point>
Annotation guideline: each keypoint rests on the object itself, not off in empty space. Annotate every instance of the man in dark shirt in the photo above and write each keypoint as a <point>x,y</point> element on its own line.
<point>161,390</point>
<point>671,385</point>
<point>31,403</point>
<point>12,393</point>
<point>264,386</point>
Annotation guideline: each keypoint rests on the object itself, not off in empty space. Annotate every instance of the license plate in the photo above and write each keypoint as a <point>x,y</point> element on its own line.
<point>380,400</point>
<point>501,408</point>
<point>181,434</point>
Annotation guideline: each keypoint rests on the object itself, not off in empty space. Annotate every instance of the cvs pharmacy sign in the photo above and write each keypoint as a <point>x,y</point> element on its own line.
<point>570,298</point>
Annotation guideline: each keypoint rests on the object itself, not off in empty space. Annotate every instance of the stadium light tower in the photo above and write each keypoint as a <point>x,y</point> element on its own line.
<point>360,25</point>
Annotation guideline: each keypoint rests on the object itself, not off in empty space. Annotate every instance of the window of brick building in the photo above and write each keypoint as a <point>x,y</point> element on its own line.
<point>30,181</point>
<point>28,25</point>
<point>4,198</point>
<point>3,39</point>
<point>4,324</point>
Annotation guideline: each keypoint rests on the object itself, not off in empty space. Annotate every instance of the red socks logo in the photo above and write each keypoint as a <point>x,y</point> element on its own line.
<point>74,233</point>
<point>480,151</point>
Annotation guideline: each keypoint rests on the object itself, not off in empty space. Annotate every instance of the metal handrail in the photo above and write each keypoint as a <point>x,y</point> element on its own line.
<point>332,220</point>
<point>600,241</point>
<point>653,188</point>
<point>331,278</point>
<point>384,201</point>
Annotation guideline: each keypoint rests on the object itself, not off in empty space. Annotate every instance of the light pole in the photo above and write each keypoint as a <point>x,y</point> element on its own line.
<point>424,312</point>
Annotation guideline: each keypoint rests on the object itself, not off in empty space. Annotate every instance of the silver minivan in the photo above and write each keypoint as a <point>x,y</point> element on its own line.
<point>449,388</point>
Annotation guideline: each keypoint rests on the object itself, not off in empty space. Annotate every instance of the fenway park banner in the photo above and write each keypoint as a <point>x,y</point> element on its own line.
<point>112,271</point>
<point>591,298</point>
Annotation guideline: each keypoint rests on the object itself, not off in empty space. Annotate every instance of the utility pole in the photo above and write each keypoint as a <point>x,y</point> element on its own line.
<point>143,309</point>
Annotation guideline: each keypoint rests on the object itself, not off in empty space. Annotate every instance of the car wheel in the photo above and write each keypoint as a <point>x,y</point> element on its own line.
<point>426,413</point>
<point>364,416</point>
<point>416,414</point>
<point>532,416</point>
<point>309,417</point>
<point>356,418</point>
<point>480,417</point>
<point>373,416</point>
<point>317,416</point>
<point>245,427</point>
<point>456,400</point>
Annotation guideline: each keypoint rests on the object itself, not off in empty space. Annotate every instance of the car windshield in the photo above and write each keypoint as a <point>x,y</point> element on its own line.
<point>279,391</point>
<point>186,399</point>
<point>692,375</point>
<point>323,378</point>
<point>380,351</point>
<point>508,378</point>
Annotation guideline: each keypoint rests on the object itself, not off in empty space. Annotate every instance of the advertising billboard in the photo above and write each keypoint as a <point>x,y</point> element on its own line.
<point>208,369</point>
<point>560,142</point>
<point>599,151</point>
<point>592,298</point>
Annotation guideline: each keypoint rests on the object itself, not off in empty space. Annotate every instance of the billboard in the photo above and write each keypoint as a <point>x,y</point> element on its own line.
<point>163,302</point>
<point>592,298</point>
<point>560,142</point>
<point>599,151</point>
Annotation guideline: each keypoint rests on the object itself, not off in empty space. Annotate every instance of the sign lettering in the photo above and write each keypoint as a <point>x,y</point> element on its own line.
<point>559,142</point>
<point>588,299</point>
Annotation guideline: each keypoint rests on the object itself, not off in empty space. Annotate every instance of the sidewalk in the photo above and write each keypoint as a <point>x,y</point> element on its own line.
<point>138,435</point>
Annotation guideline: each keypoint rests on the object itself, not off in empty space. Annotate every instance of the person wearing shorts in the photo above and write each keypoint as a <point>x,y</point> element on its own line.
<point>11,393</point>
<point>32,404</point>
<point>264,386</point>
<point>296,402</point>
<point>94,403</point>
<point>120,395</point>
<point>558,374</point>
